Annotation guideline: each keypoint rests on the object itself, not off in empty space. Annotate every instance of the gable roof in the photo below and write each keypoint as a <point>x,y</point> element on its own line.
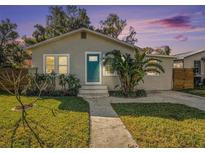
<point>187,54</point>
<point>76,31</point>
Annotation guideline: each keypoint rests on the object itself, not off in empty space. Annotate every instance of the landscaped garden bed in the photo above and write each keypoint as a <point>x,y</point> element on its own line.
<point>134,94</point>
<point>59,121</point>
<point>163,124</point>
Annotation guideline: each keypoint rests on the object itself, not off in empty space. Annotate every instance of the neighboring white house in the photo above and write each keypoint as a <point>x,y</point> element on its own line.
<point>193,59</point>
<point>81,51</point>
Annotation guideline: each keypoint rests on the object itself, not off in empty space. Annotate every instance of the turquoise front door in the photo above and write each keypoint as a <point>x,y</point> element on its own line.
<point>93,68</point>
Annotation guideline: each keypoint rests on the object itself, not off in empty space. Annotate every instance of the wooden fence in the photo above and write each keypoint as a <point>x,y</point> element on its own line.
<point>183,78</point>
<point>6,73</point>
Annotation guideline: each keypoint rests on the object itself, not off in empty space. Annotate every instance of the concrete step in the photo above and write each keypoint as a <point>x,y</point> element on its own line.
<point>93,95</point>
<point>90,91</point>
<point>93,91</point>
<point>94,87</point>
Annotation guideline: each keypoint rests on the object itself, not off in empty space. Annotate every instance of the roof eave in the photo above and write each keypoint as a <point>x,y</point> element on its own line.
<point>75,31</point>
<point>162,56</point>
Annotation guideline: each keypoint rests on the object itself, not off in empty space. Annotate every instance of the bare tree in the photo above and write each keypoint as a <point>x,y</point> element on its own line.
<point>11,81</point>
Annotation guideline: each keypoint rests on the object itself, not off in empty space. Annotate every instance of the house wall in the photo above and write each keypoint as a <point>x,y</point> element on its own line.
<point>76,47</point>
<point>163,81</point>
<point>189,62</point>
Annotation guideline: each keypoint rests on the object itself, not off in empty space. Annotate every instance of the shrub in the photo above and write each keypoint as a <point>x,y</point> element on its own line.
<point>62,81</point>
<point>73,84</point>
<point>132,70</point>
<point>141,93</point>
<point>134,94</point>
<point>70,85</point>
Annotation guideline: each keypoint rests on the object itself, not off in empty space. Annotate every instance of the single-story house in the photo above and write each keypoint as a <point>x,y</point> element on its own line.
<point>80,52</point>
<point>192,59</point>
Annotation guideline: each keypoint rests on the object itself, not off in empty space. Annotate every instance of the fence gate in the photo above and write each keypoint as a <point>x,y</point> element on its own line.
<point>183,78</point>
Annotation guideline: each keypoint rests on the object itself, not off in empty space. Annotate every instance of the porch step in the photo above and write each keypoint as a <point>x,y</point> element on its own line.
<point>94,87</point>
<point>89,91</point>
<point>92,91</point>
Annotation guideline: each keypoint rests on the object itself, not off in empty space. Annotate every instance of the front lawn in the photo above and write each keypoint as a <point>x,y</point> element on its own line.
<point>65,126</point>
<point>199,92</point>
<point>163,124</point>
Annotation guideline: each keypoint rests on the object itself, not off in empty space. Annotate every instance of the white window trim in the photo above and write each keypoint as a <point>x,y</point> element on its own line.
<point>56,61</point>
<point>100,56</point>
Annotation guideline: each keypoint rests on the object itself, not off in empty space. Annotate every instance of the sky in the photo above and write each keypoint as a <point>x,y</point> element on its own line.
<point>180,27</point>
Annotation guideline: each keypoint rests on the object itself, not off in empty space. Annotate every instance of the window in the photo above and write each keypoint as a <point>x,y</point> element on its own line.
<point>63,65</point>
<point>197,67</point>
<point>151,73</point>
<point>93,58</point>
<point>108,70</point>
<point>57,63</point>
<point>50,64</point>
<point>178,64</point>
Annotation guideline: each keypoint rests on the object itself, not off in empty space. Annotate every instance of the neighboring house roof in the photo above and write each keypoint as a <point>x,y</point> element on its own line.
<point>79,30</point>
<point>162,56</point>
<point>187,54</point>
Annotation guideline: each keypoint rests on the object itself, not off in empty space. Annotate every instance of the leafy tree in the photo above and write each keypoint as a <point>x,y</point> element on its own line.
<point>40,33</point>
<point>131,37</point>
<point>59,21</point>
<point>11,50</point>
<point>164,50</point>
<point>77,17</point>
<point>131,70</point>
<point>148,50</point>
<point>167,50</point>
<point>29,40</point>
<point>112,25</point>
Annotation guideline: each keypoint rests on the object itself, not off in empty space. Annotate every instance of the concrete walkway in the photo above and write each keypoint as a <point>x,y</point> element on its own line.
<point>107,130</point>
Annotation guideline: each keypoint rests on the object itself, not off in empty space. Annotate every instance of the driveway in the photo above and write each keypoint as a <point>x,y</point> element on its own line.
<point>165,96</point>
<point>107,130</point>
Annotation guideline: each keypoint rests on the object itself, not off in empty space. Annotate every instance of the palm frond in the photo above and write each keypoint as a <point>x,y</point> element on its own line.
<point>152,70</point>
<point>155,65</point>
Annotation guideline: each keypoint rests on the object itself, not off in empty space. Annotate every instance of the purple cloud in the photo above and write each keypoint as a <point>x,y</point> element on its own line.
<point>180,21</point>
<point>200,13</point>
<point>181,37</point>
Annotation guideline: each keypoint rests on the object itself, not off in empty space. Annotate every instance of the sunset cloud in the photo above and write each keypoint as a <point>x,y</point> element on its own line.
<point>180,21</point>
<point>181,37</point>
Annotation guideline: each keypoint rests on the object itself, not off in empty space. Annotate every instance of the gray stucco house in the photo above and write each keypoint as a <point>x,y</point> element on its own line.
<point>80,52</point>
<point>192,59</point>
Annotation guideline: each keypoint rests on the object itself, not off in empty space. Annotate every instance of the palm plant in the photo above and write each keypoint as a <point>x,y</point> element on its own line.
<point>131,70</point>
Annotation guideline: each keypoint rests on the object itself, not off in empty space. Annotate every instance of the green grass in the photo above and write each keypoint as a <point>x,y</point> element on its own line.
<point>163,124</point>
<point>199,92</point>
<point>67,126</point>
